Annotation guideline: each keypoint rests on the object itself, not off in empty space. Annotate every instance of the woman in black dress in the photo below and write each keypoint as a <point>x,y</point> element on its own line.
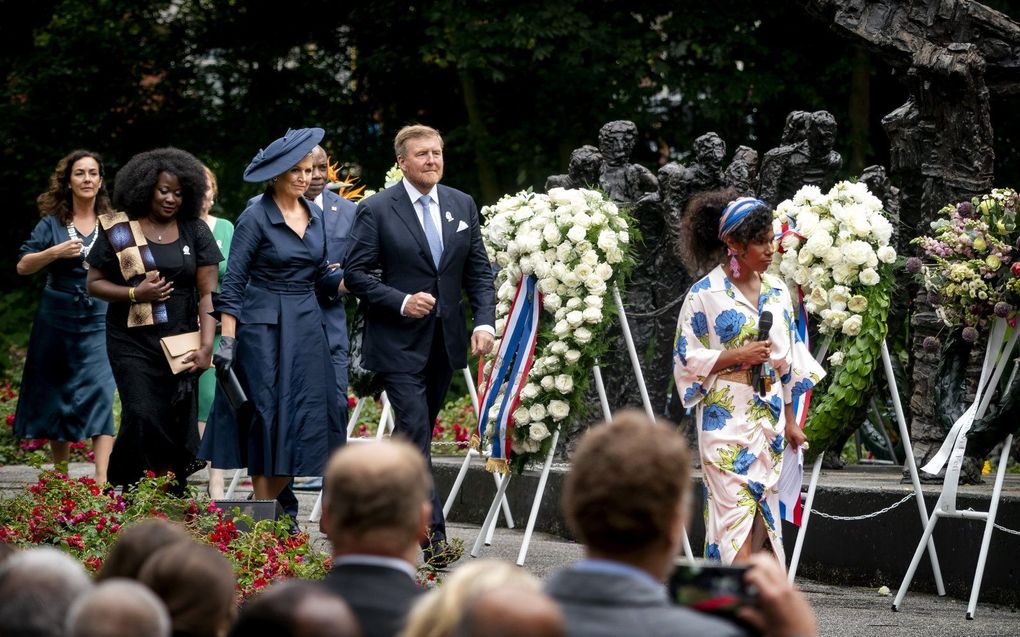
<point>155,263</point>
<point>67,385</point>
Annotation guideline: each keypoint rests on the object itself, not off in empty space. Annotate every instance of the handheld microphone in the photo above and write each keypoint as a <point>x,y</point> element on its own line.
<point>759,372</point>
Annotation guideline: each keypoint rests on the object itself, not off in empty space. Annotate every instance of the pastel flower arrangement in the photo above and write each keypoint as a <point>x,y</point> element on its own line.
<point>577,244</point>
<point>835,247</point>
<point>968,264</point>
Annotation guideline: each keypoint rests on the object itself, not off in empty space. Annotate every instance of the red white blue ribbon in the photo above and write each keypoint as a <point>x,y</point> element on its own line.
<point>791,476</point>
<point>509,373</point>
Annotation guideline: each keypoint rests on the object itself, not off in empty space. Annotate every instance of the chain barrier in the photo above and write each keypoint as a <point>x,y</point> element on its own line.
<point>854,518</point>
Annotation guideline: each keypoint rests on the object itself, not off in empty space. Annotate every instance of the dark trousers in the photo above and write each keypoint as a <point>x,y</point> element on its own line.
<point>416,399</point>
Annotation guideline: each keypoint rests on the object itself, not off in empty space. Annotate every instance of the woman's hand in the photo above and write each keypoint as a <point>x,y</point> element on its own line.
<point>754,353</point>
<point>200,359</point>
<point>154,288</point>
<point>66,250</point>
<point>794,435</point>
<point>224,358</point>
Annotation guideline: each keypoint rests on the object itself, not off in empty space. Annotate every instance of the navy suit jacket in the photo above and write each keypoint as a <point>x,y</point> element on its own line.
<point>388,237</point>
<point>337,217</point>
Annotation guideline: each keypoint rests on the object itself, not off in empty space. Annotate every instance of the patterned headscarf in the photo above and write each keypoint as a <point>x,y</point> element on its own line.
<point>736,213</point>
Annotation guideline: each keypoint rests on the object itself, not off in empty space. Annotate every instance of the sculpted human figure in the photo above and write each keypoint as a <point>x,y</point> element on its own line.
<point>742,173</point>
<point>582,172</point>
<point>804,156</point>
<point>622,181</point>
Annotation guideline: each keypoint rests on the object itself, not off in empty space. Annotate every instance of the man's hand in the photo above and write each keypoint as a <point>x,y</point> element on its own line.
<point>419,305</point>
<point>782,610</point>
<point>481,343</point>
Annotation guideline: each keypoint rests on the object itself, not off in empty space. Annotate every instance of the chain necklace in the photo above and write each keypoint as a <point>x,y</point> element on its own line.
<point>72,232</point>
<point>159,233</point>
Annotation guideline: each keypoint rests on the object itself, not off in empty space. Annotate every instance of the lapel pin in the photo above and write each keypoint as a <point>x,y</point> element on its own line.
<point>449,217</point>
<point>333,208</point>
<point>186,250</point>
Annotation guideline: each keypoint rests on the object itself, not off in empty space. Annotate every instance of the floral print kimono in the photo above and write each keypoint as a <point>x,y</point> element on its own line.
<point>740,433</point>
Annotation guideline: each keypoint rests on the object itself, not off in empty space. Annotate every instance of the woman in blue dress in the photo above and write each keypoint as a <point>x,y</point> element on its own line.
<point>273,331</point>
<point>67,386</point>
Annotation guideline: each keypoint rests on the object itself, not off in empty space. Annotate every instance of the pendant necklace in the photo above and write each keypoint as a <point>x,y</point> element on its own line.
<point>72,232</point>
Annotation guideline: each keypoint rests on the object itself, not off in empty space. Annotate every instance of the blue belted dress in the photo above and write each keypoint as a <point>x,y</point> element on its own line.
<point>282,358</point>
<point>67,386</point>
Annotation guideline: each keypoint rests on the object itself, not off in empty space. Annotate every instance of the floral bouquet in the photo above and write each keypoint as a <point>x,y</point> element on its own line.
<point>834,247</point>
<point>966,263</point>
<point>576,243</point>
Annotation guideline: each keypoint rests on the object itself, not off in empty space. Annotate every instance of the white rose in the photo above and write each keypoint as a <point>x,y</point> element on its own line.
<point>551,234</point>
<point>574,303</point>
<point>538,432</point>
<point>598,218</point>
<point>571,356</point>
<point>530,390</point>
<point>886,254</point>
<point>595,285</point>
<point>818,296</point>
<point>502,259</point>
<point>563,252</point>
<point>607,240</point>
<point>560,314</point>
<point>835,360</point>
<point>575,318</point>
<point>583,271</point>
<point>592,315</point>
<point>810,307</point>
<point>857,252</point>
<point>537,412</point>
<point>590,258</point>
<point>802,275</point>
<point>547,285</point>
<point>551,362</point>
<point>548,383</point>
<point>542,267</point>
<point>857,303</point>
<point>561,328</point>
<point>582,219</point>
<point>807,221</point>
<point>841,273</point>
<point>558,347</point>
<point>604,271</point>
<point>564,384</point>
<point>593,301</point>
<point>832,256</point>
<point>521,416</point>
<point>790,242</point>
<point>583,247</point>
<point>500,324</point>
<point>857,221</point>
<point>839,294</point>
<point>518,446</point>
<point>805,257</point>
<point>576,233</point>
<point>582,335</point>
<point>869,277</point>
<point>852,325</point>
<point>502,308</point>
<point>558,409</point>
<point>881,229</point>
<point>531,446</point>
<point>552,302</point>
<point>624,237</point>
<point>614,256</point>
<point>570,280</point>
<point>818,242</point>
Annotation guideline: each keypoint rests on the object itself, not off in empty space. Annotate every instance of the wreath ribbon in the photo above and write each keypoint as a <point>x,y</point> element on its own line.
<point>506,378</point>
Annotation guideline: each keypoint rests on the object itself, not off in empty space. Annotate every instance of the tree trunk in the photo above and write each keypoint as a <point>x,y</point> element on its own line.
<point>480,139</point>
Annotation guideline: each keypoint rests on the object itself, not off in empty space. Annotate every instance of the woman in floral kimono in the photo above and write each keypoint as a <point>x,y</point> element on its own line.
<point>742,430</point>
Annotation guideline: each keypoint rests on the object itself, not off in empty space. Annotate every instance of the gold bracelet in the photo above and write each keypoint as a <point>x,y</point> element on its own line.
<point>131,295</point>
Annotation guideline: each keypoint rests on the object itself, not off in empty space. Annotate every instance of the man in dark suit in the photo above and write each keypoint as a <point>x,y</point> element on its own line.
<point>375,512</point>
<point>425,240</point>
<point>626,499</point>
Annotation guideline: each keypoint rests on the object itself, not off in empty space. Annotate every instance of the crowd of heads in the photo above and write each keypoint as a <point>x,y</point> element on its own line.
<point>625,499</point>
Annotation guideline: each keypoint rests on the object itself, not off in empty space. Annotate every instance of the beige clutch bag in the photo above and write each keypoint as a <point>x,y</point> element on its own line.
<point>176,348</point>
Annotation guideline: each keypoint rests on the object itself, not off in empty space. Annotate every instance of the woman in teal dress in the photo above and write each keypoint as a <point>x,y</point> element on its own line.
<point>223,232</point>
<point>67,386</point>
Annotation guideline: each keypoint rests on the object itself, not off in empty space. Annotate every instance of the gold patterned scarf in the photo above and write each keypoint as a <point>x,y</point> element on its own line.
<point>136,262</point>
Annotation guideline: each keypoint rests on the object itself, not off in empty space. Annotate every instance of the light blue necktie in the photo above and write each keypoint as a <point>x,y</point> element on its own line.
<point>431,232</point>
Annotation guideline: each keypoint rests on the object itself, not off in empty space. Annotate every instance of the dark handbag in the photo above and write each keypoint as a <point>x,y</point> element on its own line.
<point>363,382</point>
<point>231,387</point>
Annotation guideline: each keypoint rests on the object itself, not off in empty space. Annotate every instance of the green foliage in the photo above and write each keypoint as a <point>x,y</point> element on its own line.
<point>843,392</point>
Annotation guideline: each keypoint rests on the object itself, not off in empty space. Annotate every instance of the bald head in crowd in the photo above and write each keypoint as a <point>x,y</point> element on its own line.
<point>377,500</point>
<point>296,608</point>
<point>513,611</point>
<point>37,587</point>
<point>118,608</point>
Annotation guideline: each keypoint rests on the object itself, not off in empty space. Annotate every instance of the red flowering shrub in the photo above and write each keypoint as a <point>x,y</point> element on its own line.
<point>80,518</point>
<point>35,451</point>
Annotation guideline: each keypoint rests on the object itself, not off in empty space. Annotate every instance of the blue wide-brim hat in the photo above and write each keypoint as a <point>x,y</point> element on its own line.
<point>280,156</point>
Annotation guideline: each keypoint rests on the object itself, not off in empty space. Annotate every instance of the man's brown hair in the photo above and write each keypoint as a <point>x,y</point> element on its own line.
<point>376,489</point>
<point>626,482</point>
<point>414,131</point>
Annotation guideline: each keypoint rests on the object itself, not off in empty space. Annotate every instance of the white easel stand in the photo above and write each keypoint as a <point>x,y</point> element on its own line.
<point>996,359</point>
<point>816,470</point>
<point>488,525</point>
<point>386,423</point>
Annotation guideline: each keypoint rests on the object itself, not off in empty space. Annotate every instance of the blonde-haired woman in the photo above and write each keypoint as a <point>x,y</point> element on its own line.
<point>437,613</point>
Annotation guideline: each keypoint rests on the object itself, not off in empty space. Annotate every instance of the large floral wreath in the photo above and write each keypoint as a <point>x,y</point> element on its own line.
<point>577,245</point>
<point>835,248</point>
